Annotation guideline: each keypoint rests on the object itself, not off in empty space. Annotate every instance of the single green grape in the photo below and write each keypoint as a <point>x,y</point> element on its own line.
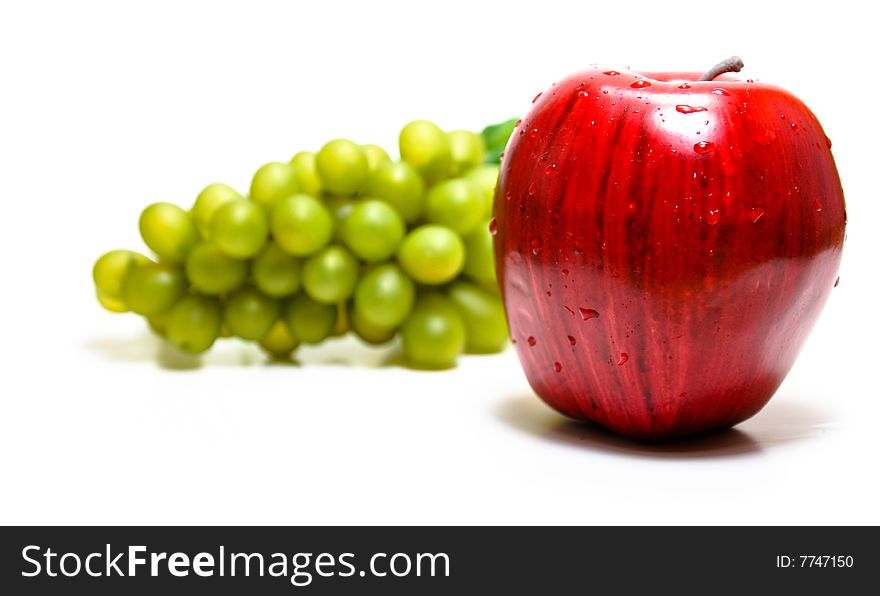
<point>330,275</point>
<point>240,229</point>
<point>468,150</point>
<point>479,262</point>
<point>153,288</point>
<point>309,321</point>
<point>209,200</point>
<point>211,271</point>
<point>110,303</point>
<point>301,225</point>
<point>307,173</point>
<point>455,204</point>
<point>279,342</point>
<point>342,167</point>
<point>434,334</point>
<point>425,147</point>
<point>109,273</point>
<point>158,324</point>
<point>250,314</point>
<point>273,182</point>
<point>398,184</point>
<point>275,272</point>
<point>169,231</point>
<point>485,177</point>
<point>373,230</point>
<point>483,317</point>
<point>432,254</point>
<point>194,324</point>
<point>376,156</point>
<point>368,332</point>
<point>384,297</point>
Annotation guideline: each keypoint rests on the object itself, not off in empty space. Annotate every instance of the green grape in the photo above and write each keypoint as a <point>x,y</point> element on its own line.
<point>369,332</point>
<point>307,173</point>
<point>301,225</point>
<point>211,271</point>
<point>455,204</point>
<point>169,231</point>
<point>250,314</point>
<point>159,324</point>
<point>209,200</point>
<point>272,182</point>
<point>109,273</point>
<point>275,272</point>
<point>194,324</point>
<point>398,184</point>
<point>376,156</point>
<point>279,342</point>
<point>342,167</point>
<point>468,150</point>
<point>330,275</point>
<point>485,177</point>
<point>340,208</point>
<point>483,316</point>
<point>153,288</point>
<point>425,147</point>
<point>434,334</point>
<point>309,321</point>
<point>240,229</point>
<point>373,230</point>
<point>384,297</point>
<point>109,302</point>
<point>479,263</point>
<point>432,254</point>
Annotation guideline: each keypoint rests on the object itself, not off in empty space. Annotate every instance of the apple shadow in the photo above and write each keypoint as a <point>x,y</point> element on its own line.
<point>778,423</point>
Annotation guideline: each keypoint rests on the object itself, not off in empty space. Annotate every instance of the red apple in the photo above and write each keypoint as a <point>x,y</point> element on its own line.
<point>664,246</point>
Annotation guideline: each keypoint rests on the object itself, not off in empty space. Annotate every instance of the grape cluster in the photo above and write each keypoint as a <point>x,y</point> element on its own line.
<point>342,240</point>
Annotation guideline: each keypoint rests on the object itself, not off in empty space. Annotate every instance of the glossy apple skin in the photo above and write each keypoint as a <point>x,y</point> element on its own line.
<point>664,246</point>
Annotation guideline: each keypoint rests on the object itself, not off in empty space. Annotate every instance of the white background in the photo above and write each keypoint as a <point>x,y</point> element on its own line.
<point>108,106</point>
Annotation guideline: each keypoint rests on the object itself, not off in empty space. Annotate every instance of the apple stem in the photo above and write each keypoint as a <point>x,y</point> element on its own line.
<point>732,64</point>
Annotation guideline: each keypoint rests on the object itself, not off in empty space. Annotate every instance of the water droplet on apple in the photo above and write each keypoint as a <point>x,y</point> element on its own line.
<point>583,93</point>
<point>611,73</point>
<point>719,91</point>
<point>817,205</point>
<point>795,127</point>
<point>682,395</point>
<point>684,86</point>
<point>565,272</point>
<point>588,313</point>
<point>577,252</point>
<point>550,170</point>
<point>573,341</point>
<point>540,93</point>
<point>557,366</point>
<point>640,84</point>
<point>704,147</point>
<point>493,227</point>
<point>623,358</point>
<point>756,214</point>
<point>533,133</point>
<point>571,312</point>
<point>837,281</point>
<point>712,216</point>
<point>686,109</point>
<point>533,188</point>
<point>518,122</point>
<point>536,247</point>
<point>532,341</point>
<point>828,142</point>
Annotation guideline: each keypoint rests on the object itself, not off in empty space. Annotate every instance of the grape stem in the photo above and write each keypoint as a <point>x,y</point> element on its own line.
<point>732,64</point>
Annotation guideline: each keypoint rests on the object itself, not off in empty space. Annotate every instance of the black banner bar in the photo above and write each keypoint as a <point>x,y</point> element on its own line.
<point>436,560</point>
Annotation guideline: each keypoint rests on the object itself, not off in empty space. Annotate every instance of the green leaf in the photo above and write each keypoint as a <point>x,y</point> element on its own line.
<point>496,136</point>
